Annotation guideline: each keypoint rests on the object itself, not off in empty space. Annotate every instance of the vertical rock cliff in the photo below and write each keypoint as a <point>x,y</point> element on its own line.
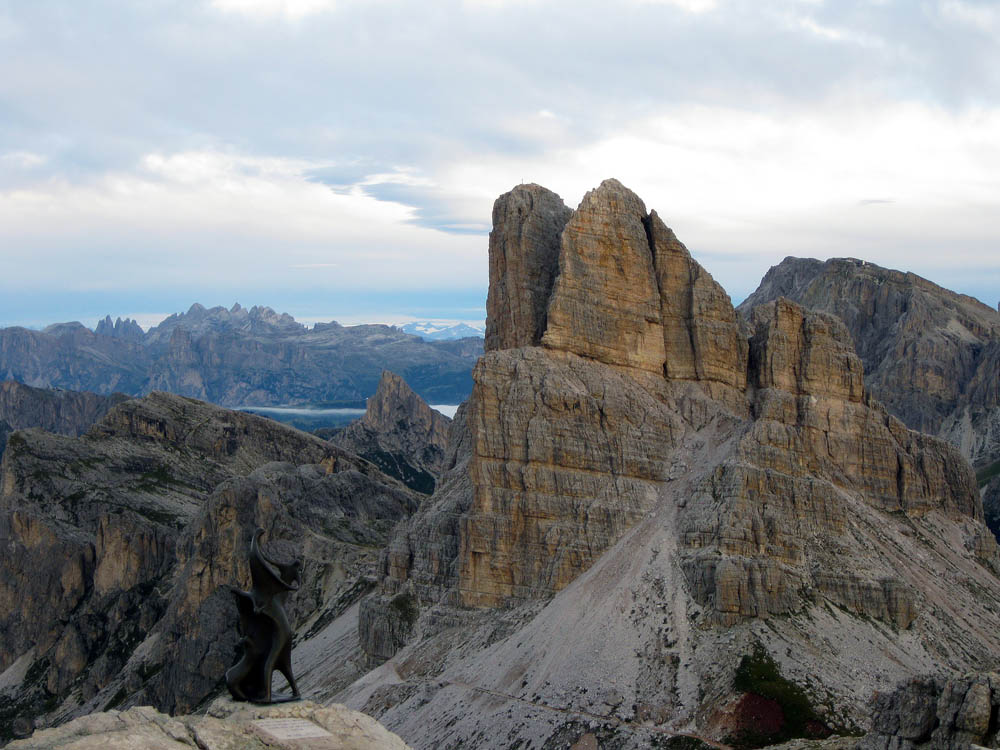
<point>62,412</point>
<point>524,248</point>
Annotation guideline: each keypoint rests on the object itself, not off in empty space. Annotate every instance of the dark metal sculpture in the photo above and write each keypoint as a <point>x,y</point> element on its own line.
<point>267,634</point>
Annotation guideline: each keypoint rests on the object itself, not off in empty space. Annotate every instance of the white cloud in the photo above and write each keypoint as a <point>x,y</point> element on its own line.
<point>22,159</point>
<point>746,188</point>
<point>691,6</point>
<point>8,27</point>
<point>208,215</point>
<point>179,142</point>
<point>265,9</point>
<point>839,34</point>
<point>981,16</point>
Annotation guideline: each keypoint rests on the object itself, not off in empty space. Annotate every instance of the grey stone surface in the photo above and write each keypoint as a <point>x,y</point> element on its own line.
<point>226,727</point>
<point>936,713</point>
<point>118,543</point>
<point>62,412</point>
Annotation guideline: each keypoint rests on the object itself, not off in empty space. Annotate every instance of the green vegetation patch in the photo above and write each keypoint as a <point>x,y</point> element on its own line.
<point>396,466</point>
<point>613,736</point>
<point>987,473</point>
<point>116,700</point>
<point>407,608</point>
<point>760,679</point>
<point>159,476</point>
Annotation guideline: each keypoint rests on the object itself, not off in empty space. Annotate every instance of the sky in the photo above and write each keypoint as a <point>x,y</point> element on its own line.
<point>338,159</point>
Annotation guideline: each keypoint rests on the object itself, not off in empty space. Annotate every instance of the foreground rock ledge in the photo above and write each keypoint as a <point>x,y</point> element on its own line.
<point>225,726</point>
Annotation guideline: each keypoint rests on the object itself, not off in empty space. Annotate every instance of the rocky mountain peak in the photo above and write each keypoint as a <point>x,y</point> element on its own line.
<point>199,321</point>
<point>677,488</point>
<point>120,329</point>
<point>72,329</point>
<point>119,546</point>
<point>524,261</point>
<point>394,402</point>
<point>931,355</point>
<point>400,434</point>
<point>609,282</point>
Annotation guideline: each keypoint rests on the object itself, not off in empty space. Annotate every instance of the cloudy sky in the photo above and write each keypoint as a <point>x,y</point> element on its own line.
<point>339,158</point>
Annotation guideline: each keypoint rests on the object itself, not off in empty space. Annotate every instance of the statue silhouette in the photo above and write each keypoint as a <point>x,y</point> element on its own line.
<point>267,634</point>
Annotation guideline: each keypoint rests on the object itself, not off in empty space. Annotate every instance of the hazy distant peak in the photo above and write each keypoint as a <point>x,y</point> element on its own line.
<point>259,319</point>
<point>441,331</point>
<point>333,325</point>
<point>63,328</point>
<point>120,329</point>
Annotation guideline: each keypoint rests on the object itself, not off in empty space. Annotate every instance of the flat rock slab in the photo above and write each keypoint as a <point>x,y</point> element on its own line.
<point>293,734</point>
<point>225,726</point>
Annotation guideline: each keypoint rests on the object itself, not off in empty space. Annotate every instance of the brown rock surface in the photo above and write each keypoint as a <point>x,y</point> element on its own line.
<point>605,304</point>
<point>703,337</point>
<point>524,251</point>
<point>566,457</point>
<point>400,434</point>
<point>624,534</point>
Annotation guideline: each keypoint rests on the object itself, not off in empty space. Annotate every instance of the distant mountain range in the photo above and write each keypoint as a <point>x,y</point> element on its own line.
<point>238,357</point>
<point>442,331</point>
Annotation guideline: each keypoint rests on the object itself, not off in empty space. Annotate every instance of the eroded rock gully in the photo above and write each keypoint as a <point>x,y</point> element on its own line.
<point>643,487</point>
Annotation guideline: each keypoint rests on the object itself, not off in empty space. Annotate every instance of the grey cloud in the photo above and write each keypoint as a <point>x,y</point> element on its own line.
<point>97,84</point>
<point>434,208</point>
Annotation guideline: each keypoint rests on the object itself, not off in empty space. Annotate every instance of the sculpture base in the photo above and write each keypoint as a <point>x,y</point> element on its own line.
<point>276,698</point>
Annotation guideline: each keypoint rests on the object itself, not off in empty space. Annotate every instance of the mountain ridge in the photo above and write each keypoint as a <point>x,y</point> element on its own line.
<point>235,357</point>
<point>930,354</point>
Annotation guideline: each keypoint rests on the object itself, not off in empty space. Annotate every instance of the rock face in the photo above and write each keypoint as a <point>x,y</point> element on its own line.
<point>237,357</point>
<point>524,247</point>
<point>930,355</point>
<point>62,412</point>
<point>118,546</point>
<point>226,726</point>
<point>653,491</point>
<point>605,304</point>
<point>400,434</point>
<point>936,712</point>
